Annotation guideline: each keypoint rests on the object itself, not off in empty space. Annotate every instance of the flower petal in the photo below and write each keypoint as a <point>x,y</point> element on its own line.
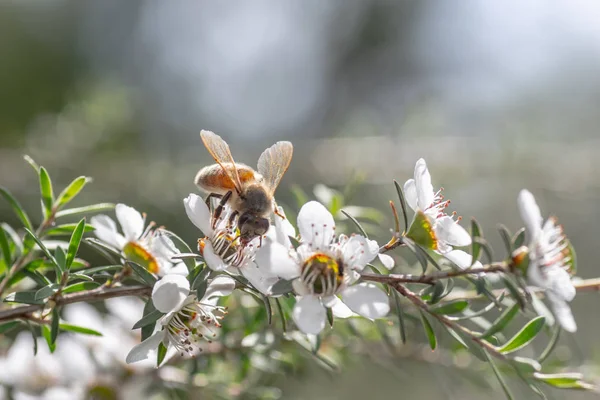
<point>262,281</point>
<point>341,310</point>
<point>461,259</point>
<point>560,283</point>
<point>316,225</point>
<point>309,315</point>
<point>449,231</point>
<point>562,312</point>
<point>530,213</point>
<point>198,212</point>
<point>425,193</point>
<point>366,299</point>
<point>275,259</point>
<point>106,230</point>
<point>144,350</point>
<point>169,293</point>
<point>213,261</point>
<point>358,251</point>
<point>410,194</point>
<point>131,221</point>
<point>387,261</point>
<point>220,286</point>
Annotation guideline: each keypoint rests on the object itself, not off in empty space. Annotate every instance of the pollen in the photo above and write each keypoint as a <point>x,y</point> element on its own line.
<point>322,274</point>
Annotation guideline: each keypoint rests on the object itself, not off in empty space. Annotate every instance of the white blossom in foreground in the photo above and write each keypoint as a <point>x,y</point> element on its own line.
<point>550,259</point>
<point>221,247</point>
<point>187,320</point>
<point>323,268</point>
<point>146,246</point>
<point>437,230</point>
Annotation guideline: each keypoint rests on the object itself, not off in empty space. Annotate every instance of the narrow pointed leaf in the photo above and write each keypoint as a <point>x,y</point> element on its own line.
<point>45,250</point>
<point>72,190</point>
<point>148,319</point>
<point>26,297</point>
<point>142,272</point>
<point>502,321</point>
<point>281,315</point>
<point>506,238</point>
<point>551,344</point>
<point>8,326</point>
<point>46,191</point>
<point>47,334</point>
<point>503,384</point>
<point>46,291</point>
<point>564,381</point>
<point>451,307</point>
<point>161,353</point>
<point>148,330</point>
<point>95,208</point>
<point>518,238</point>
<point>80,287</point>
<point>54,325</point>
<point>5,248</point>
<point>402,203</point>
<point>400,315</point>
<point>428,331</point>
<point>74,243</point>
<point>16,208</point>
<point>358,225</point>
<point>79,329</point>
<point>66,230</point>
<point>475,245</point>
<point>524,336</point>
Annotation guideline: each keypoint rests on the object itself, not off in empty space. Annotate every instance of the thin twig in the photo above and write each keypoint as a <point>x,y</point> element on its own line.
<point>430,279</point>
<point>87,296</point>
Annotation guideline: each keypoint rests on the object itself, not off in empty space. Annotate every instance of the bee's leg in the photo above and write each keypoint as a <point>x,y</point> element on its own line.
<point>231,218</point>
<point>210,197</point>
<point>219,209</point>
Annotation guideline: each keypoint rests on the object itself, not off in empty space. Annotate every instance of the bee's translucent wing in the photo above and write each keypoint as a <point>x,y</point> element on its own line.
<point>219,149</point>
<point>273,163</point>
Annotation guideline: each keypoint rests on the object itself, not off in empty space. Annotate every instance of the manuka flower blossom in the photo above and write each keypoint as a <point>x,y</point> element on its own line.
<point>187,320</point>
<point>323,268</point>
<point>432,227</point>
<point>221,247</point>
<point>551,259</point>
<point>146,246</point>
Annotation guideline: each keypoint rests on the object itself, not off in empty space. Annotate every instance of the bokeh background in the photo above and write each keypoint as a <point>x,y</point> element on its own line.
<point>495,95</point>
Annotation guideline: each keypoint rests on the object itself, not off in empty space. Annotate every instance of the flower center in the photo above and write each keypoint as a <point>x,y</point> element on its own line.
<point>138,254</point>
<point>194,322</point>
<point>228,247</point>
<point>322,274</point>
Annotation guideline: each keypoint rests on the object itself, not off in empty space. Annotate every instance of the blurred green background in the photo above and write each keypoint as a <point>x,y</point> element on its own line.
<point>496,96</point>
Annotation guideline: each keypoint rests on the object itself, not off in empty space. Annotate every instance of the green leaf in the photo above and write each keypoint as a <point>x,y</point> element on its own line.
<point>15,239</point>
<point>72,190</point>
<point>54,325</point>
<point>46,191</point>
<point>268,308</point>
<point>148,330</point>
<point>417,252</point>
<point>506,238</point>
<point>142,272</point>
<point>524,336</point>
<point>526,365</point>
<point>76,275</point>
<point>94,208</point>
<point>402,203</point>
<point>281,315</point>
<point>26,297</point>
<point>358,225</point>
<point>400,316</point>
<point>518,238</point>
<point>503,384</point>
<point>329,316</point>
<point>428,331</point>
<point>514,291</point>
<point>551,344</point>
<point>74,243</point>
<point>106,251</point>
<point>45,250</point>
<point>475,245</point>
<point>46,291</point>
<point>564,381</point>
<point>31,162</point>
<point>5,248</point>
<point>281,287</point>
<point>502,321</point>
<point>16,208</point>
<point>200,282</point>
<point>80,287</point>
<point>66,230</point>
<point>467,343</point>
<point>451,307</point>
<point>61,258</point>
<point>149,319</point>
<point>79,329</point>
<point>34,336</point>
<point>103,268</point>
<point>47,333</point>
<point>487,249</point>
<point>8,326</point>
<point>161,353</point>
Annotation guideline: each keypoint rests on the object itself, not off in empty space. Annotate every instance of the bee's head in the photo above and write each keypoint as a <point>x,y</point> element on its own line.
<point>251,226</point>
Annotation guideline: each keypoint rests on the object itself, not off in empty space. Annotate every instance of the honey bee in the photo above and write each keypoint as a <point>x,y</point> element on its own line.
<point>249,193</point>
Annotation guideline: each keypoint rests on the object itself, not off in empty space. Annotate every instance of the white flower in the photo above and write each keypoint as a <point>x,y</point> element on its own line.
<point>323,268</point>
<point>187,320</point>
<point>150,248</point>
<point>550,258</point>
<point>420,196</point>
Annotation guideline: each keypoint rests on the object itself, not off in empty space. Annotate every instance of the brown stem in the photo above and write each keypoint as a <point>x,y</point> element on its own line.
<point>432,278</point>
<point>87,296</point>
<point>416,300</point>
